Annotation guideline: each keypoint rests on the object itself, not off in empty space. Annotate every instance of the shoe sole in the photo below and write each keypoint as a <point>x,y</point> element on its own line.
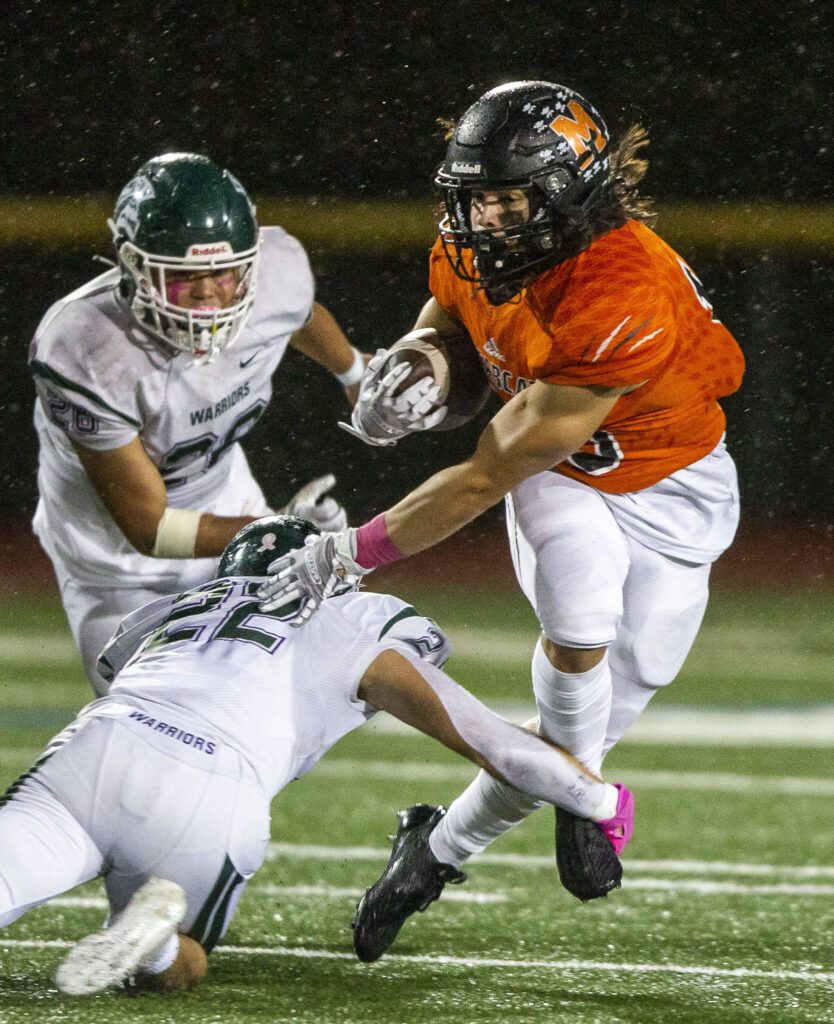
<point>588,866</point>
<point>110,956</point>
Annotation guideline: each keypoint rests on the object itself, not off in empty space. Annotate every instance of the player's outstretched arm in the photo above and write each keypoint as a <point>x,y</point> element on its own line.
<point>425,697</point>
<point>538,429</point>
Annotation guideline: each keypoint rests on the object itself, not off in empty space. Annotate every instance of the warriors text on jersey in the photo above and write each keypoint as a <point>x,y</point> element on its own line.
<point>101,382</point>
<point>626,311</point>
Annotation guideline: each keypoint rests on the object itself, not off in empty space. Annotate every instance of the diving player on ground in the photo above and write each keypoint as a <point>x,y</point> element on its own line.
<point>163,787</point>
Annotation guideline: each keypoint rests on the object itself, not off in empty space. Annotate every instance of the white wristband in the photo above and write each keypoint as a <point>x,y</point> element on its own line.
<point>354,372</point>
<point>176,535</point>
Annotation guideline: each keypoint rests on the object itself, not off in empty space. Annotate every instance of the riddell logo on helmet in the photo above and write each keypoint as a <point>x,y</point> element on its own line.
<point>463,167</point>
<point>222,248</point>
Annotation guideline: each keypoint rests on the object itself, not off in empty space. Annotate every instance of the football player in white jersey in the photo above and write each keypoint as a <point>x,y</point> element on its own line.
<point>147,379</point>
<point>163,786</point>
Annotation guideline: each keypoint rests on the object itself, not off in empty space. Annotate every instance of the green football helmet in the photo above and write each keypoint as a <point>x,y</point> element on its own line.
<point>251,550</point>
<point>182,213</point>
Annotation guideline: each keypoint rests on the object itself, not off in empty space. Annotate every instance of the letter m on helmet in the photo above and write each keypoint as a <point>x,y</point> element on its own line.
<point>579,131</point>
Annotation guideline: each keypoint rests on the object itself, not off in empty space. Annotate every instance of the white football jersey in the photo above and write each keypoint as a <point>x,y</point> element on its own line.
<point>101,382</point>
<point>280,696</point>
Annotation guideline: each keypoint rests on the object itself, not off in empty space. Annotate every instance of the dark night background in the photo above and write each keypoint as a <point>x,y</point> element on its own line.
<point>321,101</point>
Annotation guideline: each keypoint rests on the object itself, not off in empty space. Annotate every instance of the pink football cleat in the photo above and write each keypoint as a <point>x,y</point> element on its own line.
<point>619,829</point>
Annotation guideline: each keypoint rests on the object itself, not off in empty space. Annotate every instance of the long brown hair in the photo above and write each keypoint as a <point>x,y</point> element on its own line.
<point>622,200</point>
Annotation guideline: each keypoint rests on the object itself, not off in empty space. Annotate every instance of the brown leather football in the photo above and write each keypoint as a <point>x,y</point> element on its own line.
<point>452,361</point>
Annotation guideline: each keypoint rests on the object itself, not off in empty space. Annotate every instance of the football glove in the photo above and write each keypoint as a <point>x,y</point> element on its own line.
<point>309,503</point>
<point>382,417</point>
<point>325,567</point>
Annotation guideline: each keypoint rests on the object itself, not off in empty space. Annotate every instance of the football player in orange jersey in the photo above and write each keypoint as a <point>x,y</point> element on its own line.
<point>609,448</point>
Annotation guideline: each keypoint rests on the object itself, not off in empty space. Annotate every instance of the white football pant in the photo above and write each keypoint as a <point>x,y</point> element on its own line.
<point>104,800</point>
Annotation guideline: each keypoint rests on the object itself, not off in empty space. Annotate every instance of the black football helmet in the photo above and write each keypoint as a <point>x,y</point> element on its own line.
<point>537,136</point>
<point>251,549</point>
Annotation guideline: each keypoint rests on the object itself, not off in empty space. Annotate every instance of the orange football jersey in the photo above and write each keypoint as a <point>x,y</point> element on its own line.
<point>627,310</point>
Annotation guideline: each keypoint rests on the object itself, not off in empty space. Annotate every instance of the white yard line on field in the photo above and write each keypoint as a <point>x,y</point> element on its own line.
<point>751,651</point>
<point>702,727</point>
<point>580,966</point>
<point>676,726</point>
<point>37,648</point>
<point>420,771</point>
<point>321,891</point>
<point>688,885</point>
<point>305,851</point>
<point>724,782</point>
<point>676,886</point>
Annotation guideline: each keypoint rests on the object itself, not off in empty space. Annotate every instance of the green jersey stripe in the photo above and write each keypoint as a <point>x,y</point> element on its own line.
<point>43,370</point>
<point>406,613</point>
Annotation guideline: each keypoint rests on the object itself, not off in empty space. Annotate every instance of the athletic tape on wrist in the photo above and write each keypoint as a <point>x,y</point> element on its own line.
<point>353,374</point>
<point>373,545</point>
<point>176,535</point>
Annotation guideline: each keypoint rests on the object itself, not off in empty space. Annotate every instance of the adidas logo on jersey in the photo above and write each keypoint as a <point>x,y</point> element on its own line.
<point>492,349</point>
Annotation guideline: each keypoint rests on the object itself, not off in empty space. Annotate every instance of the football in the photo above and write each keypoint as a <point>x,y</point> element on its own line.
<point>452,362</point>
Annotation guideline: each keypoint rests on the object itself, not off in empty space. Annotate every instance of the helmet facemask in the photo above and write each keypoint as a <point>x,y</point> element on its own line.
<point>505,259</point>
<point>202,331</point>
<point>179,215</point>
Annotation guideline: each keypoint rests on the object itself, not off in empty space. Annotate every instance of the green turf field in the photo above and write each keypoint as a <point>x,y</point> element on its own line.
<point>725,914</point>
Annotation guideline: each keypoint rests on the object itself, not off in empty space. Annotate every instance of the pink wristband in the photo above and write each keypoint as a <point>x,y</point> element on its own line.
<point>373,545</point>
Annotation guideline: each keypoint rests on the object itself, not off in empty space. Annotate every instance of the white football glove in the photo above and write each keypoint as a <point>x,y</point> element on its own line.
<point>324,567</point>
<point>381,417</point>
<point>308,503</point>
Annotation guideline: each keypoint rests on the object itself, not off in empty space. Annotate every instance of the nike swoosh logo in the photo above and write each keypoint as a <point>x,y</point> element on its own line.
<point>246,362</point>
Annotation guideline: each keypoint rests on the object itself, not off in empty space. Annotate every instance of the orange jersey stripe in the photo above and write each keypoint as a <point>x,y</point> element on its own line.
<point>627,310</point>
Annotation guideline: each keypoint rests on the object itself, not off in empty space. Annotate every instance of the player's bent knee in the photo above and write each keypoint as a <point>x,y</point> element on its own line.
<point>573,660</point>
<point>185,972</point>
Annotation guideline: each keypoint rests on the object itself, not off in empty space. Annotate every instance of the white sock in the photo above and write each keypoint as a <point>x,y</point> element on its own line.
<point>608,807</point>
<point>628,701</point>
<point>485,810</point>
<point>574,707</point>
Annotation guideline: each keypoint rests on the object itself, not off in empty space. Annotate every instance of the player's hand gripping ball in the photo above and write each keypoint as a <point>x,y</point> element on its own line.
<point>425,381</point>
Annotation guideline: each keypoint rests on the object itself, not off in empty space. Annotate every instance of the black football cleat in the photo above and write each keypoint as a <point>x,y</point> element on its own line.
<point>413,879</point>
<point>588,865</point>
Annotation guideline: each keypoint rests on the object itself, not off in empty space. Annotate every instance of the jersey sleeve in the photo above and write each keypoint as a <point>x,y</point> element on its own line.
<point>131,632</point>
<point>85,372</point>
<point>85,417</point>
<point>420,634</point>
<point>385,620</point>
